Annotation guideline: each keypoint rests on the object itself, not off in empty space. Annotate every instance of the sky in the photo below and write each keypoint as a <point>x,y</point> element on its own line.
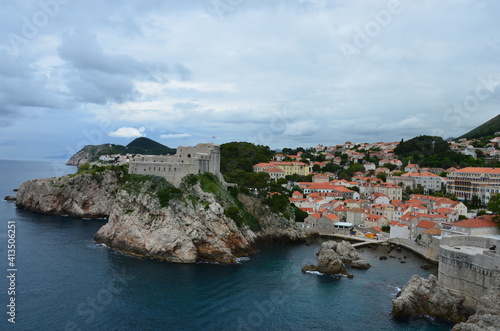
<point>281,73</point>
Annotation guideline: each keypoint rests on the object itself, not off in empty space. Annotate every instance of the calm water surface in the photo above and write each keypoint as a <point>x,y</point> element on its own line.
<point>65,281</point>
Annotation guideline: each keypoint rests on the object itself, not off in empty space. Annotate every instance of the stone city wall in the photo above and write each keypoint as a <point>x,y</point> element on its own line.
<point>469,274</point>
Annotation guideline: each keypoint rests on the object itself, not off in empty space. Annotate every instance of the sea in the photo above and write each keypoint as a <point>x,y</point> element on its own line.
<point>55,277</point>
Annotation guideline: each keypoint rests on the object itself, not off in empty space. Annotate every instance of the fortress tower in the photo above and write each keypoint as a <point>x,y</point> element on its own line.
<point>188,160</point>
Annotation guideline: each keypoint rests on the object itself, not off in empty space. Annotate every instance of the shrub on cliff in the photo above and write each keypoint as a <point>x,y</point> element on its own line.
<point>168,193</point>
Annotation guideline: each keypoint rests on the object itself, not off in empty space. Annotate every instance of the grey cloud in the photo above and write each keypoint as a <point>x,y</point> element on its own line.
<point>98,77</point>
<point>101,87</point>
<point>83,52</point>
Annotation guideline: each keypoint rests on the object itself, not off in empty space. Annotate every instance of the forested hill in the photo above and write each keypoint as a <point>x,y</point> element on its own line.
<point>486,129</point>
<point>147,146</point>
<point>431,151</point>
<point>140,145</point>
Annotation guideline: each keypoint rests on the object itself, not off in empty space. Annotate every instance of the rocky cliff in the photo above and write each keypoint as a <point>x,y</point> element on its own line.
<point>149,217</point>
<point>86,154</point>
<point>184,231</point>
<point>426,297</point>
<point>273,227</point>
<point>85,195</point>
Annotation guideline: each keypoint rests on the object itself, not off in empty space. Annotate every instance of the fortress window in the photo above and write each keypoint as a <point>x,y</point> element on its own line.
<point>189,155</point>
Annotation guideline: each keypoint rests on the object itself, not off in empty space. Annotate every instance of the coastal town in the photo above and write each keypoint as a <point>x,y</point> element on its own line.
<point>437,198</point>
<point>365,189</point>
<point>390,197</point>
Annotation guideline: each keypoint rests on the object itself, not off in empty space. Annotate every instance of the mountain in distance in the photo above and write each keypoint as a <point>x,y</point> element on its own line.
<point>142,145</point>
<point>148,146</point>
<point>486,129</point>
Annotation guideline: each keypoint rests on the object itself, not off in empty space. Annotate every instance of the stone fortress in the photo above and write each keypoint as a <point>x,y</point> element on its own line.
<point>469,264</point>
<point>188,160</point>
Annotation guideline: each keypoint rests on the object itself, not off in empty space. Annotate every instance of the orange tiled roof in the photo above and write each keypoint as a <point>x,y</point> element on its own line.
<point>433,231</point>
<point>476,223</point>
<point>479,170</point>
<point>426,224</point>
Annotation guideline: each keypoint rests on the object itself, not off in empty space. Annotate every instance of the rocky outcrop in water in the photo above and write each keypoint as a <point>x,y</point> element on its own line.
<point>349,255</point>
<point>333,256</point>
<point>184,231</point>
<point>426,297</point>
<point>487,316</point>
<point>149,217</point>
<point>85,195</point>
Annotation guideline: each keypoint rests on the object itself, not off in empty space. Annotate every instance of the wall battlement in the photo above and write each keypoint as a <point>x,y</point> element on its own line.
<point>188,160</point>
<point>467,264</point>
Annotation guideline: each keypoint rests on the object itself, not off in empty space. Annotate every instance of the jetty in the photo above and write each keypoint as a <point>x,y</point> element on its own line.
<point>361,240</point>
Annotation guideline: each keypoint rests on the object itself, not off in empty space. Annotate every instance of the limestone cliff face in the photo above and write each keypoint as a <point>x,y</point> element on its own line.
<point>186,232</point>
<point>273,227</point>
<point>426,297</point>
<point>193,225</point>
<point>82,156</point>
<point>87,153</point>
<point>84,195</point>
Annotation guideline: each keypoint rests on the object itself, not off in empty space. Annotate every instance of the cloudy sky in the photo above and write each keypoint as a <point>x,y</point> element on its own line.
<point>282,73</point>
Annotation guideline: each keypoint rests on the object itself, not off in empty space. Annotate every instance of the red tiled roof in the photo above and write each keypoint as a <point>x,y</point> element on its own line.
<point>273,170</point>
<point>479,170</point>
<point>426,224</point>
<point>476,223</point>
<point>332,217</point>
<point>433,231</point>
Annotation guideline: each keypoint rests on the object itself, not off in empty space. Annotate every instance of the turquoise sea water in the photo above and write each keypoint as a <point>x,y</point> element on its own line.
<point>65,281</point>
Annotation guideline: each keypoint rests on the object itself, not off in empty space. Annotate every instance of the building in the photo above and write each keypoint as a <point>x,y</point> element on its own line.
<point>394,192</point>
<point>321,178</point>
<point>188,160</point>
<point>412,168</point>
<point>328,188</point>
<point>399,230</point>
<point>288,168</point>
<point>480,226</point>
<point>428,181</point>
<point>468,182</point>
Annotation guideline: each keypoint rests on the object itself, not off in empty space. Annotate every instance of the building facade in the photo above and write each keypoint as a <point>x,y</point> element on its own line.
<point>188,160</point>
<point>468,182</point>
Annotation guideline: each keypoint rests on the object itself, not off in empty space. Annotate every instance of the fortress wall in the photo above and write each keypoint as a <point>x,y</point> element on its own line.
<point>188,160</point>
<point>429,250</point>
<point>466,273</point>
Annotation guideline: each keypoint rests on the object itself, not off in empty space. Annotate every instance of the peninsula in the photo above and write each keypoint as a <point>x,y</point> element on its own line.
<point>198,219</point>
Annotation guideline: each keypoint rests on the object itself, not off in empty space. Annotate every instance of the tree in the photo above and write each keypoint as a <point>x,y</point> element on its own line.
<point>382,176</point>
<point>242,156</point>
<point>300,215</point>
<point>494,204</point>
<point>475,201</point>
<point>84,167</point>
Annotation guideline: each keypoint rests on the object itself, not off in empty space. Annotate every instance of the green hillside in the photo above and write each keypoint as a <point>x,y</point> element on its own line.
<point>147,146</point>
<point>91,153</point>
<point>486,129</point>
<point>432,151</point>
